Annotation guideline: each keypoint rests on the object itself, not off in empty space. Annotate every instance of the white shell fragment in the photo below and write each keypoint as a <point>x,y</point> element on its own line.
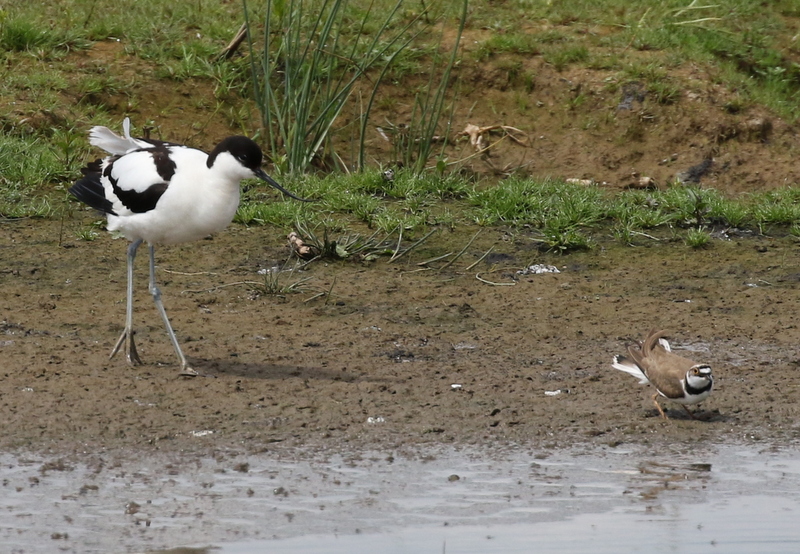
<point>201,433</point>
<point>538,269</point>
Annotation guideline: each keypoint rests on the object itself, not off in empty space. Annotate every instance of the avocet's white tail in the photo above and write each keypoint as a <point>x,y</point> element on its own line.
<point>111,142</point>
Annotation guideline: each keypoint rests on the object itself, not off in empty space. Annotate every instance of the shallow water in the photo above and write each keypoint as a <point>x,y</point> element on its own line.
<point>720,499</point>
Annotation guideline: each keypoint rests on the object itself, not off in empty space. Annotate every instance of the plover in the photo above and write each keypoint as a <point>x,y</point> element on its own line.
<point>674,377</point>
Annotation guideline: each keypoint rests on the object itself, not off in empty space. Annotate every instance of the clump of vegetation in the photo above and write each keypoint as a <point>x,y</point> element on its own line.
<point>298,82</point>
<point>274,283</point>
<point>311,59</point>
<point>698,238</point>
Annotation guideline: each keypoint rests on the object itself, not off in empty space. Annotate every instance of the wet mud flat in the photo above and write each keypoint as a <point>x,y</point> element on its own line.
<point>394,353</point>
<point>393,359</point>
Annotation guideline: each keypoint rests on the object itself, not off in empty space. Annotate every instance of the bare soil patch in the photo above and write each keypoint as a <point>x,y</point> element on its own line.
<point>375,364</point>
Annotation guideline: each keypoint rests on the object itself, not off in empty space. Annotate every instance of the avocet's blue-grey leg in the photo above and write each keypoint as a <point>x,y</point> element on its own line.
<point>185,369</point>
<point>126,337</point>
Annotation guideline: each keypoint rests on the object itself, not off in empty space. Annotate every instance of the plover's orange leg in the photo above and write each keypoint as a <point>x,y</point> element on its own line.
<point>691,415</point>
<point>658,406</point>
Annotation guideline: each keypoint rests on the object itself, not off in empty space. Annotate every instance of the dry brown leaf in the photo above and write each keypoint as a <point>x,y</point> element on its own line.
<point>476,135</point>
<point>298,246</point>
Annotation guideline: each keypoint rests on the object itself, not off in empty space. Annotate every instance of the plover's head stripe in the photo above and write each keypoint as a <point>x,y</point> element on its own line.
<point>703,369</point>
<point>698,380</point>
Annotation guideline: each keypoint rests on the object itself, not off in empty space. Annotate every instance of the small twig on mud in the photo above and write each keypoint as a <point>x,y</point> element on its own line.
<point>185,273</point>
<point>437,258</point>
<point>412,247</point>
<point>645,235</point>
<point>327,294</point>
<point>415,271</point>
<point>234,44</point>
<point>330,291</point>
<point>212,289</point>
<point>61,228</point>
<point>448,264</point>
<point>397,250</point>
<point>479,260</point>
<point>481,279</point>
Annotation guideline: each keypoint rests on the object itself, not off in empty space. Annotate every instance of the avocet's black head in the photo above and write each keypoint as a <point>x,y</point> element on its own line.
<point>248,154</point>
<point>244,150</point>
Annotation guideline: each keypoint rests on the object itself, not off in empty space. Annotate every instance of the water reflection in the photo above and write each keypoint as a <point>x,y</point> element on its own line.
<point>725,499</point>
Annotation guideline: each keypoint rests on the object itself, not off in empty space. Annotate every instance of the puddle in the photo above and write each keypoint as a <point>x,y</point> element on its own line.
<point>720,499</point>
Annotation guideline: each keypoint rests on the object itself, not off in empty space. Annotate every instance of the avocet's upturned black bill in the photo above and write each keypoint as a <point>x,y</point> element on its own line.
<point>164,193</point>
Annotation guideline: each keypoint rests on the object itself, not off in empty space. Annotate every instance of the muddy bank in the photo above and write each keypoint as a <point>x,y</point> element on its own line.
<point>375,363</point>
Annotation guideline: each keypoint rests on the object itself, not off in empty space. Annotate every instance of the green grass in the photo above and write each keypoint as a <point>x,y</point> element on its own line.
<point>746,41</point>
<point>522,201</point>
<point>274,282</point>
<point>53,96</point>
<point>24,34</point>
<point>776,208</point>
<point>516,43</point>
<point>27,164</point>
<point>564,216</point>
<point>563,56</point>
<point>697,238</point>
<point>311,58</point>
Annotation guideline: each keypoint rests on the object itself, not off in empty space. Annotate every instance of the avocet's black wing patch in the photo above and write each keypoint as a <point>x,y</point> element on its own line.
<point>165,166</point>
<point>138,179</point>
<point>90,191</point>
<point>139,202</point>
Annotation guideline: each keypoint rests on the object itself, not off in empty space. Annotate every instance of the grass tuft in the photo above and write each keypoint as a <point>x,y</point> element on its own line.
<point>698,238</point>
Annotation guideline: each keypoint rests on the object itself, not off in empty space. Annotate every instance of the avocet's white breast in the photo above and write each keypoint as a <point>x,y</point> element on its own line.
<point>196,200</point>
<point>166,193</point>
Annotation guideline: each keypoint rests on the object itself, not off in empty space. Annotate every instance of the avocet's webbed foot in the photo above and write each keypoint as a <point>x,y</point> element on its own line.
<point>187,371</point>
<point>126,340</point>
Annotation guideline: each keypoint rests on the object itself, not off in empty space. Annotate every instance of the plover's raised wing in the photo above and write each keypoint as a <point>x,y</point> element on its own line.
<point>629,366</point>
